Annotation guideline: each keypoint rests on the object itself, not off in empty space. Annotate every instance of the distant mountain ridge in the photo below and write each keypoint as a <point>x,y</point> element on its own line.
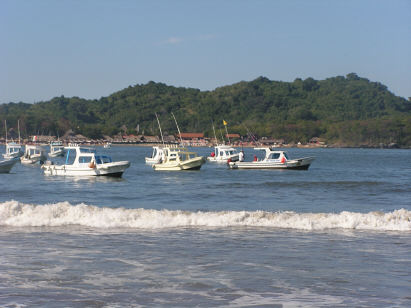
<point>346,110</point>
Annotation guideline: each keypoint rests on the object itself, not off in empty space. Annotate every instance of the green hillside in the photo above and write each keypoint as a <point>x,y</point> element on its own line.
<point>347,110</point>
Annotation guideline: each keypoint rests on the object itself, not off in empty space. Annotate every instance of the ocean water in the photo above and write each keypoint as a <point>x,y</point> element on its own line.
<point>337,235</point>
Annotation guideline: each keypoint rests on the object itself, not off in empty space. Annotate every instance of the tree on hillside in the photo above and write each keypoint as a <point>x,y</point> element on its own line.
<point>347,109</point>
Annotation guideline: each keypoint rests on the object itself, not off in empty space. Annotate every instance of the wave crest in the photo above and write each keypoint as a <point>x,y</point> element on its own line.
<point>14,213</point>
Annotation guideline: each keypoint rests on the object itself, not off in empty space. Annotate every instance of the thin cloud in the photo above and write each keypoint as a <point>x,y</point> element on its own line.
<point>173,40</point>
<point>206,37</point>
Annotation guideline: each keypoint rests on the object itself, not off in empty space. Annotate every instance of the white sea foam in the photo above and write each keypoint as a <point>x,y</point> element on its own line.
<point>14,213</point>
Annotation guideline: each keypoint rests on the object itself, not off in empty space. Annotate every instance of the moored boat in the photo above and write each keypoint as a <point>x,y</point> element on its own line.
<point>6,165</point>
<point>33,154</point>
<point>85,162</point>
<point>274,159</point>
<point>56,149</point>
<point>13,150</point>
<point>176,159</point>
<point>156,156</point>
<point>223,153</point>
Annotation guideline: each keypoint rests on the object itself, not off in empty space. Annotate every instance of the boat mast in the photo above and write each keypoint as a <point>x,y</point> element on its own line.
<point>5,127</point>
<point>161,133</point>
<point>216,140</point>
<point>181,140</point>
<point>222,137</point>
<point>226,131</point>
<point>18,127</point>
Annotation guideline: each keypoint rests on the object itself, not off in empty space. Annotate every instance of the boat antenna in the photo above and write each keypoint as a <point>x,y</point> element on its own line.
<point>18,128</point>
<point>251,135</point>
<point>181,140</point>
<point>216,140</point>
<point>159,126</point>
<point>222,137</point>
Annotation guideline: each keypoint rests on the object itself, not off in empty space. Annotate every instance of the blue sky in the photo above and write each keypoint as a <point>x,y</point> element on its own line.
<point>92,48</point>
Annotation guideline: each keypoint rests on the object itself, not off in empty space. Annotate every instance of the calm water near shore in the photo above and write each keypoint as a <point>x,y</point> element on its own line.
<point>337,235</point>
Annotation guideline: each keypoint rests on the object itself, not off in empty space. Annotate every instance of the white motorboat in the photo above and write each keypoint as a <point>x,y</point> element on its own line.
<point>6,165</point>
<point>107,145</point>
<point>223,153</point>
<point>13,150</point>
<point>274,160</point>
<point>156,156</point>
<point>179,158</point>
<point>83,161</point>
<point>34,153</point>
<point>175,158</point>
<point>56,149</point>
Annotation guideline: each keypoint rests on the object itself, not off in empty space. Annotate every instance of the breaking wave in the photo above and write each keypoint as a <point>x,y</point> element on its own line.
<point>14,213</point>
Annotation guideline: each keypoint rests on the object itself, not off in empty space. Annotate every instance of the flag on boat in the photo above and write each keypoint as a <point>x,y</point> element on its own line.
<point>224,122</point>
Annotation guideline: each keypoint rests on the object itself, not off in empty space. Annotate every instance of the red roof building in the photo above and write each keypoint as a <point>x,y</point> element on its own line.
<point>190,136</point>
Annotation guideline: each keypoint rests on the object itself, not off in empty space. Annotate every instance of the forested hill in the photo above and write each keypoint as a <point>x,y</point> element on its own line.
<point>344,110</point>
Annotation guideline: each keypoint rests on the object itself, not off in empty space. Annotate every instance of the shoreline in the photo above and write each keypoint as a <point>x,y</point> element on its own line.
<point>294,146</point>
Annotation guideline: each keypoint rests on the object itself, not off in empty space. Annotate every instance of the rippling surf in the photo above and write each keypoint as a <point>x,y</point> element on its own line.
<point>14,213</point>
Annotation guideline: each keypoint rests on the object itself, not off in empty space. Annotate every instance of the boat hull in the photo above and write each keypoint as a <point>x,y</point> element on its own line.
<point>13,155</point>
<point>150,160</point>
<point>114,169</point>
<point>295,164</point>
<point>6,165</point>
<point>32,160</point>
<point>233,158</point>
<point>191,164</point>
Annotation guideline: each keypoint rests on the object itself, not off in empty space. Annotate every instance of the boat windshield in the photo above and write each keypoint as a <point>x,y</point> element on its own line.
<point>84,159</point>
<point>34,152</point>
<point>286,156</point>
<point>172,157</point>
<point>274,156</point>
<point>13,150</point>
<point>87,150</point>
<point>186,156</point>
<point>71,155</point>
<point>103,159</point>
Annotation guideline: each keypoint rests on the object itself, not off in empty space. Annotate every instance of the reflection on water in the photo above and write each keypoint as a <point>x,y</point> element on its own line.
<point>83,179</point>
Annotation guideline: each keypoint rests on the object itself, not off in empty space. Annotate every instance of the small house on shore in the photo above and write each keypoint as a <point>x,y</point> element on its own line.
<point>317,141</point>
<point>192,139</point>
